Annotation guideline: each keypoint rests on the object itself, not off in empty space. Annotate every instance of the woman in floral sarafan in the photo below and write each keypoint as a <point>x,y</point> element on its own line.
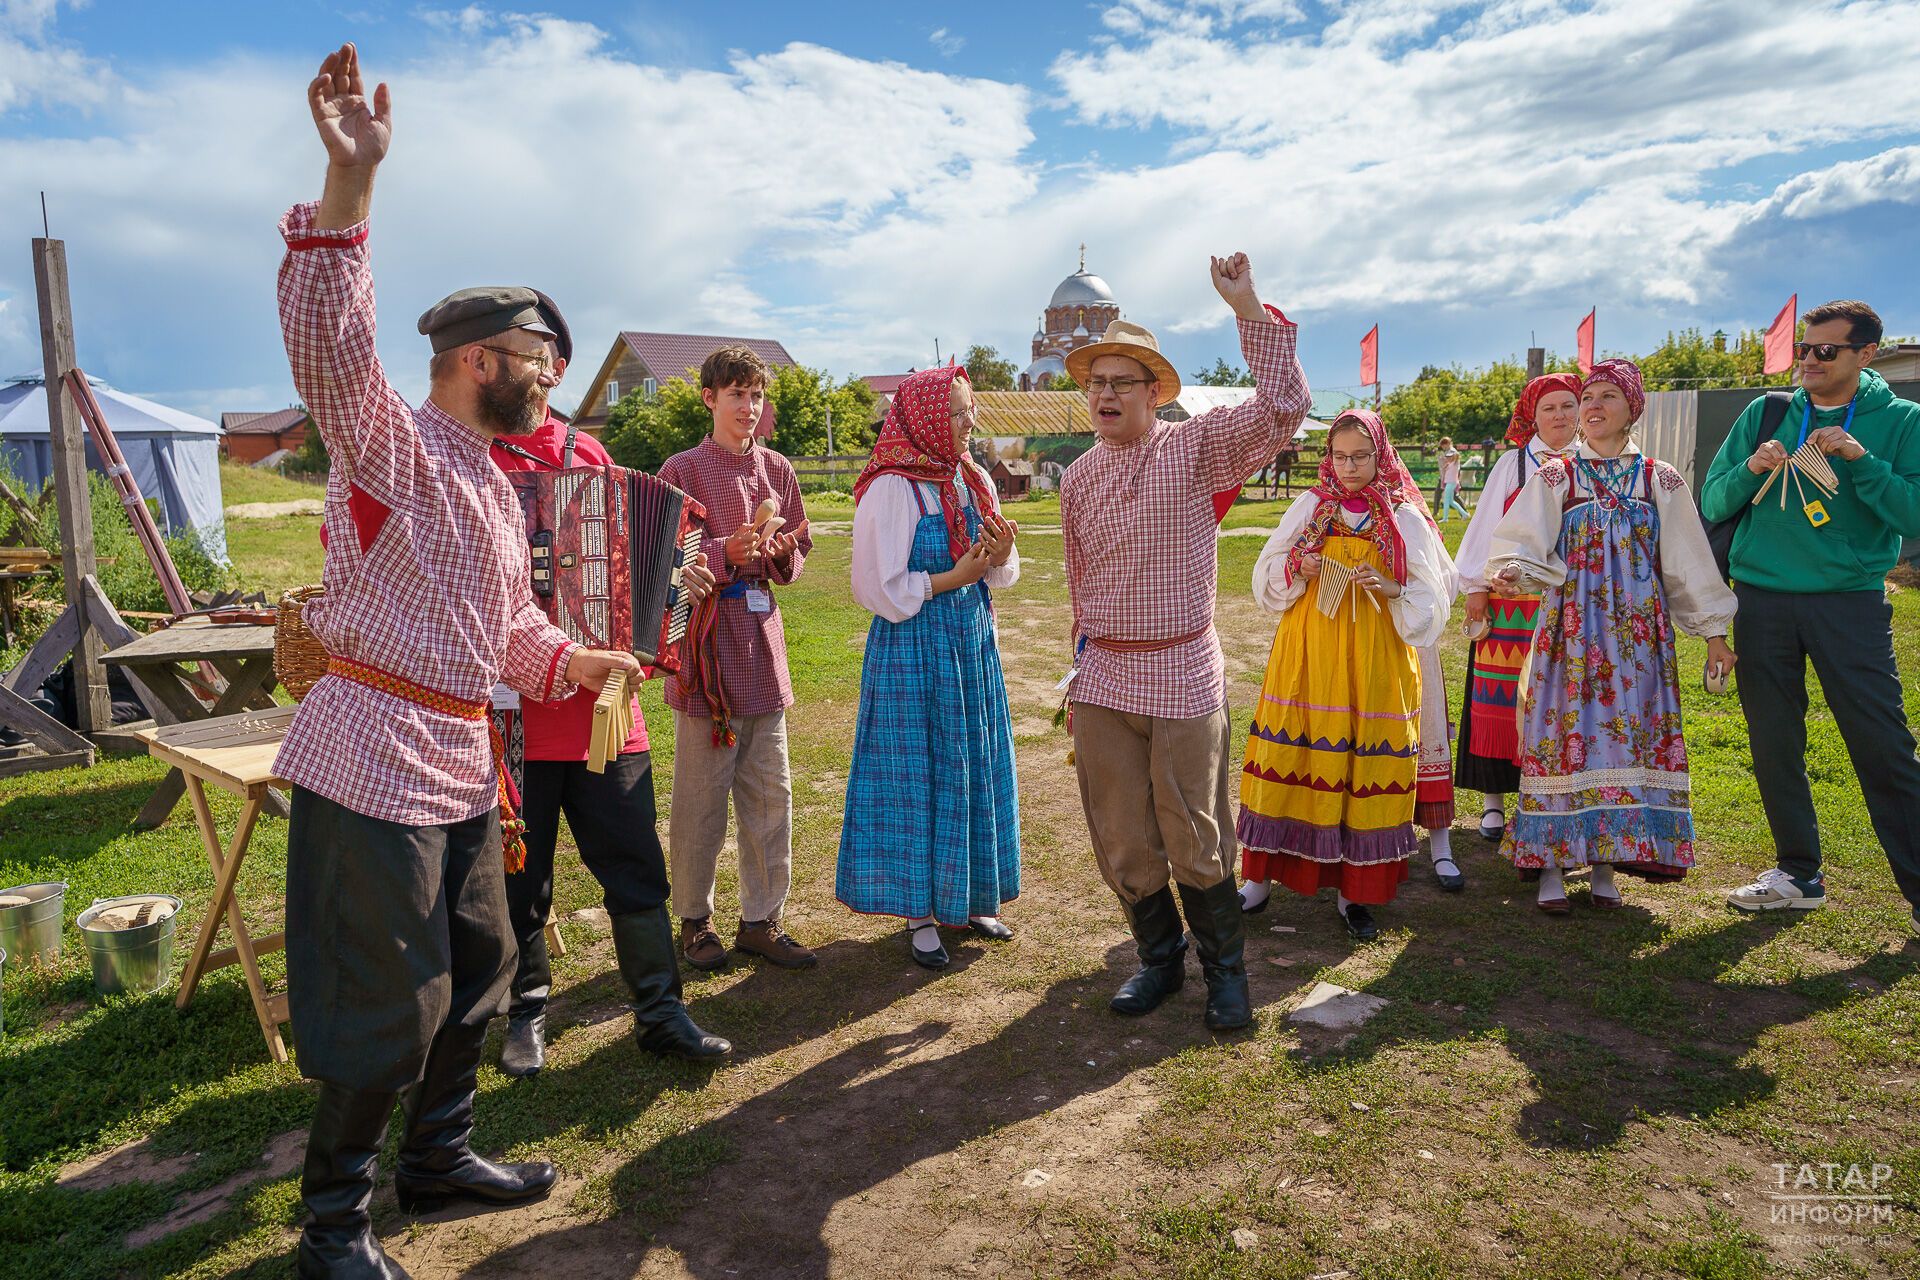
<point>1613,542</point>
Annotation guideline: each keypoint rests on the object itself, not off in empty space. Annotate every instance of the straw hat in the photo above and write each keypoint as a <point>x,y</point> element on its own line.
<point>1124,338</point>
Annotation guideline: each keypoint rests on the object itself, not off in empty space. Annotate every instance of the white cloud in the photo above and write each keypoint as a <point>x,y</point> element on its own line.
<point>946,42</point>
<point>1892,176</point>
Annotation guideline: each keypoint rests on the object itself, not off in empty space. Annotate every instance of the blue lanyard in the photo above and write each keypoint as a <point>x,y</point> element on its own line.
<point>1806,423</point>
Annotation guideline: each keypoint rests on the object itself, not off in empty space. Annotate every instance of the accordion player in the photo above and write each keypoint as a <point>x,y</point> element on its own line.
<point>610,547</point>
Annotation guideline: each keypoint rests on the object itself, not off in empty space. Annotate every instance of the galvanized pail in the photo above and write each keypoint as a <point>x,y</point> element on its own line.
<point>30,921</point>
<point>3,986</point>
<point>130,940</point>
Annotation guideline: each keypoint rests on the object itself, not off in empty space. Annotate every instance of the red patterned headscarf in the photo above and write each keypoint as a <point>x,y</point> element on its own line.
<point>1522,427</point>
<point>1624,374</point>
<point>916,441</point>
<point>1391,486</point>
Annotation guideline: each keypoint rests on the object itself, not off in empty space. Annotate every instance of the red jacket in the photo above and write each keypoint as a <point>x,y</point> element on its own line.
<point>558,730</point>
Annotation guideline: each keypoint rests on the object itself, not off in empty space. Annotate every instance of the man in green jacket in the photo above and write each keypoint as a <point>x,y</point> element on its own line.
<point>1811,577</point>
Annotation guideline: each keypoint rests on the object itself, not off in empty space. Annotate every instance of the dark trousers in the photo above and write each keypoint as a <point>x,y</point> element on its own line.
<point>1849,637</point>
<point>394,934</point>
<point>611,816</point>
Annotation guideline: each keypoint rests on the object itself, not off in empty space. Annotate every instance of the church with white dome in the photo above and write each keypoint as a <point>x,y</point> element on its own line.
<point>1078,313</point>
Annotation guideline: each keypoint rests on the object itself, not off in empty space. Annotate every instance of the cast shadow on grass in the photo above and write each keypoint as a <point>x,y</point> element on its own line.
<point>55,831</point>
<point>841,1128</point>
<point>1616,1018</point>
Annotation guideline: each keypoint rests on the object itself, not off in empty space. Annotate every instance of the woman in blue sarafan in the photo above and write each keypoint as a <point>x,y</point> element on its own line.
<point>932,827</point>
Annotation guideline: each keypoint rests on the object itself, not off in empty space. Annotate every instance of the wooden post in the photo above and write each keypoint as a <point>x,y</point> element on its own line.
<point>70,478</point>
<point>1536,362</point>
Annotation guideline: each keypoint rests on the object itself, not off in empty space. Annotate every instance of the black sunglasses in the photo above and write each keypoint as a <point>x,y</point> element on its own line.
<point>1825,352</point>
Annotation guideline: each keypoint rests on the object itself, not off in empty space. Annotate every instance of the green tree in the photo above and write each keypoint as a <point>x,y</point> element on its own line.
<point>311,458</point>
<point>1691,360</point>
<point>1223,375</point>
<point>644,431</point>
<point>1466,405</point>
<point>987,371</point>
<point>1064,381</point>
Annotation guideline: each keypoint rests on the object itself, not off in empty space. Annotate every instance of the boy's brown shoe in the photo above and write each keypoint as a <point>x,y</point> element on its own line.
<point>766,939</point>
<point>701,945</point>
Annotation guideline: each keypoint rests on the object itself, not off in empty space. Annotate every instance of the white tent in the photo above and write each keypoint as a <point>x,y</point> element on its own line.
<point>175,457</point>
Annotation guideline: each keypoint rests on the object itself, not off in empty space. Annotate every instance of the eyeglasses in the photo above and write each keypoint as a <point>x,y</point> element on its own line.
<point>540,359</point>
<point>970,414</point>
<point>1825,352</point>
<point>1120,386</point>
<point>1352,459</point>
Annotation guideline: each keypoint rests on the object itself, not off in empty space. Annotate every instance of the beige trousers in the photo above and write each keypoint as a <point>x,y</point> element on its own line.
<point>754,773</point>
<point>1159,798</point>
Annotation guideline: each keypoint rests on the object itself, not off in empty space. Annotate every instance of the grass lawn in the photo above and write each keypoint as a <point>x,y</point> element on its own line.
<point>1592,1096</point>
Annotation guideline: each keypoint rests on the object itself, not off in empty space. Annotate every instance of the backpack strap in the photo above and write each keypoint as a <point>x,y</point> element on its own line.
<point>566,448</point>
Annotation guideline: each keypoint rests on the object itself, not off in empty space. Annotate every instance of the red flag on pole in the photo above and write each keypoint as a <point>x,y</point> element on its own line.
<point>1779,346</point>
<point>1583,342</point>
<point>1370,358</point>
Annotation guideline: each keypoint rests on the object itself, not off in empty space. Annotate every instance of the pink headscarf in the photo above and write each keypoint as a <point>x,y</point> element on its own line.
<point>1624,374</point>
<point>916,441</point>
<point>1522,427</point>
<point>1391,486</point>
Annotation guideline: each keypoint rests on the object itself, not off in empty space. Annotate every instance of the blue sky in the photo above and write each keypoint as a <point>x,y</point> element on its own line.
<point>859,180</point>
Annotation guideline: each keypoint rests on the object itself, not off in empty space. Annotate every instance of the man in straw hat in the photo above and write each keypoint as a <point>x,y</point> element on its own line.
<point>1151,735</point>
<point>398,948</point>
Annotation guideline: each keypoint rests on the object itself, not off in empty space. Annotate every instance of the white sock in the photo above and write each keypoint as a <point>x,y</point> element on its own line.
<point>1442,840</point>
<point>1253,893</point>
<point>985,919</point>
<point>1551,885</point>
<point>1341,903</point>
<point>920,922</point>
<point>1495,800</point>
<point>1603,880</point>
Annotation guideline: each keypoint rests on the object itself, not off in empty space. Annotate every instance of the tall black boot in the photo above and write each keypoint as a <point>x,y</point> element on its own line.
<point>1214,916</point>
<point>1155,922</point>
<point>524,1052</point>
<point>343,1151</point>
<point>437,1162</point>
<point>643,946</point>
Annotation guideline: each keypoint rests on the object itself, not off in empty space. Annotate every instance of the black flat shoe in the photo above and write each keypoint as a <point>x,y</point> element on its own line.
<point>1496,829</point>
<point>477,1180</point>
<point>1359,922</point>
<point>937,958</point>
<point>1246,910</point>
<point>1450,882</point>
<point>991,929</point>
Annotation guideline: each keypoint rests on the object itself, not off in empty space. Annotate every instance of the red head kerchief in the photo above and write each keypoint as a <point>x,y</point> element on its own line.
<point>916,441</point>
<point>1391,485</point>
<point>1624,374</point>
<point>1522,426</point>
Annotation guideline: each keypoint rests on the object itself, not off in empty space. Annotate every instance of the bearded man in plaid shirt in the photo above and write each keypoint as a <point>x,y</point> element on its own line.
<point>398,947</point>
<point>1151,734</point>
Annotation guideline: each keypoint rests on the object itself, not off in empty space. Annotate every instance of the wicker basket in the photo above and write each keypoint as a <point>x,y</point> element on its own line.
<point>299,659</point>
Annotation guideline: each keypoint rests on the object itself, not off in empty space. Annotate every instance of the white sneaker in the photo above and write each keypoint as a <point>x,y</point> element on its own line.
<point>1775,890</point>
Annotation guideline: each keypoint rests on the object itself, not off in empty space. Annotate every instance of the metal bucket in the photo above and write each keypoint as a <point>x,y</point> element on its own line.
<point>30,930</point>
<point>3,985</point>
<point>132,948</point>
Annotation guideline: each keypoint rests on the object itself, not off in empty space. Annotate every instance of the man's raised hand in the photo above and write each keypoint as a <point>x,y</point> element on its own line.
<point>1233,281</point>
<point>355,129</point>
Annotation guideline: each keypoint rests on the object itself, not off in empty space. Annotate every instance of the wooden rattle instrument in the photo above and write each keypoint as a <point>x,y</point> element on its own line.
<point>1714,678</point>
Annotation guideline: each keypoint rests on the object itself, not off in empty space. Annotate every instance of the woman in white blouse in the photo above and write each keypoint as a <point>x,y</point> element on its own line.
<point>932,826</point>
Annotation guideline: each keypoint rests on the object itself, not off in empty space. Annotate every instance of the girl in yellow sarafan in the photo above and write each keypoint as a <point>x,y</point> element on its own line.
<point>1327,791</point>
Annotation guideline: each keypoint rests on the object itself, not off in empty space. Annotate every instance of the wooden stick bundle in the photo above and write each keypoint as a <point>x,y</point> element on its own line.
<point>612,722</point>
<point>1334,577</point>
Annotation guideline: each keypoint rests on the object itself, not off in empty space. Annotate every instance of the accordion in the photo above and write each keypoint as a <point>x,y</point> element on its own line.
<point>608,548</point>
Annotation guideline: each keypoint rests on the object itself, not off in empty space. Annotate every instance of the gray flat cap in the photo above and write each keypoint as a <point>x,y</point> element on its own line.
<point>471,315</point>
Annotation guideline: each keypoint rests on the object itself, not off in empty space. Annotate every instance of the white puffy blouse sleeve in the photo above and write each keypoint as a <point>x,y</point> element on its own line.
<point>1420,610</point>
<point>1009,573</point>
<point>1478,539</point>
<point>1271,590</point>
<point>883,529</point>
<point>1529,534</point>
<point>1701,602</point>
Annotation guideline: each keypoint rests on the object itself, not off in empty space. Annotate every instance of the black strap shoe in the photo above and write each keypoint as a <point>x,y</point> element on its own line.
<point>1360,923</point>
<point>935,957</point>
<point>1214,916</point>
<point>643,948</point>
<point>525,1051</point>
<point>1162,948</point>
<point>1449,881</point>
<point>990,929</point>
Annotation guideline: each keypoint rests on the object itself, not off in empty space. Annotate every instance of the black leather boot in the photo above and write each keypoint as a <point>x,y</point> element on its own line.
<point>525,1050</point>
<point>438,1162</point>
<point>1155,922</point>
<point>1218,932</point>
<point>643,945</point>
<point>336,1181</point>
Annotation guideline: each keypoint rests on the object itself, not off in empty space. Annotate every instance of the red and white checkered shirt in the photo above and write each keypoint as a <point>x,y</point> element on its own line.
<point>751,647</point>
<point>1140,532</point>
<point>427,571</point>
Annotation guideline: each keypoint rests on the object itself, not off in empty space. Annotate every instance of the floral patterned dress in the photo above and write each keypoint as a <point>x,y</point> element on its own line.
<point>1603,755</point>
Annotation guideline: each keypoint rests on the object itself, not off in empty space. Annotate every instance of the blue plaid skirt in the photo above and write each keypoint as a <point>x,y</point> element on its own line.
<point>932,826</point>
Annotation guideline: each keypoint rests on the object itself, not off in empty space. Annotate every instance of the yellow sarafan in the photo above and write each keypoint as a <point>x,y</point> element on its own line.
<point>1336,733</point>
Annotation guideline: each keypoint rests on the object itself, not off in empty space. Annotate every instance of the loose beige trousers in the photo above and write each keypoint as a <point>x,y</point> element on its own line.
<point>754,772</point>
<point>1159,798</point>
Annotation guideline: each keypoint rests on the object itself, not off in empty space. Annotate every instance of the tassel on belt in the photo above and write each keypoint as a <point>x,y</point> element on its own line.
<point>513,847</point>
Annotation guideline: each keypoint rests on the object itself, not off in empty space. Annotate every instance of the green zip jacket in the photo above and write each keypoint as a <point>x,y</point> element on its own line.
<point>1878,503</point>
